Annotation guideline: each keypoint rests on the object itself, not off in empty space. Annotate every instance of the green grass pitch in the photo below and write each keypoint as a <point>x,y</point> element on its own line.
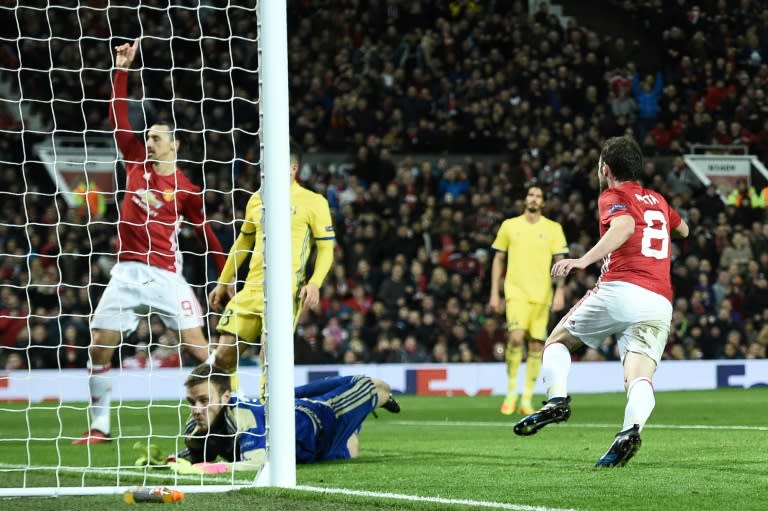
<point>701,450</point>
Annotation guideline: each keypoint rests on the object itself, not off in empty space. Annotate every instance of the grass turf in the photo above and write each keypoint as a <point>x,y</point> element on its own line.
<point>701,450</point>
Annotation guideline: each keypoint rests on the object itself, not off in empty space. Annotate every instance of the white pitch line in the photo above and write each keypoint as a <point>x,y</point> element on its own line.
<point>242,484</point>
<point>735,427</point>
<point>433,500</point>
<point>149,474</point>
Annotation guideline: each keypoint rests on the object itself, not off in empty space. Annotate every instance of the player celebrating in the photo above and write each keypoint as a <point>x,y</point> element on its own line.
<point>525,246</point>
<point>328,414</point>
<point>147,277</point>
<point>632,299</point>
<point>242,320</point>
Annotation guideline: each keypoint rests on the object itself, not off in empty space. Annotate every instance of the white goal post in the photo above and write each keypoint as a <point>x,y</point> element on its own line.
<point>58,56</point>
<point>280,469</point>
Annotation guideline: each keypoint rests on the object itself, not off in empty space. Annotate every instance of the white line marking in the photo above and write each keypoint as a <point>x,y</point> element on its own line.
<point>125,471</point>
<point>242,484</point>
<point>434,500</point>
<point>577,425</point>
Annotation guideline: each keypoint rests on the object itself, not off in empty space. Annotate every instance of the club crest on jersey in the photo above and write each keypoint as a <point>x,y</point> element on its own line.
<point>293,210</point>
<point>616,207</point>
<point>169,194</point>
<point>147,200</point>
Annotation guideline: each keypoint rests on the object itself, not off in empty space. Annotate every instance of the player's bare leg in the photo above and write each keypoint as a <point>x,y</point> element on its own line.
<point>513,357</point>
<point>193,340</point>
<point>353,445</point>
<point>263,365</point>
<point>103,343</point>
<point>384,392</point>
<point>532,370</point>
<point>226,353</point>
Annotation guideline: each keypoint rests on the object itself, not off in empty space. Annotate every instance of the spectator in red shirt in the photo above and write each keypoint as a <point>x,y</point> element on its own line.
<point>488,336</point>
<point>13,318</point>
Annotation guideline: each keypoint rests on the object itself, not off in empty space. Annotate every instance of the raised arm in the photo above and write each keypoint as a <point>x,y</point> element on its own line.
<point>133,150</point>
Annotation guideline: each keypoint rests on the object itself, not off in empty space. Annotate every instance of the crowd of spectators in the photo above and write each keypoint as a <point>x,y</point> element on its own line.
<point>391,84</point>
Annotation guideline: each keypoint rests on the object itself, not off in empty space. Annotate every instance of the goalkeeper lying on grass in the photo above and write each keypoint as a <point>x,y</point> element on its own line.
<point>328,413</point>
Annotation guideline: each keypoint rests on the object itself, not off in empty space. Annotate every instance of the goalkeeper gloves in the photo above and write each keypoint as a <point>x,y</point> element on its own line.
<point>184,467</point>
<point>149,455</point>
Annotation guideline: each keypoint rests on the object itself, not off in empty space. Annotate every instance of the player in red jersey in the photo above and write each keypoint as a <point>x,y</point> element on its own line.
<point>632,299</point>
<point>147,277</point>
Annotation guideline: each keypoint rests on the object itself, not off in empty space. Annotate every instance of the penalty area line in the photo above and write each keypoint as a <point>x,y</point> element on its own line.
<point>432,500</point>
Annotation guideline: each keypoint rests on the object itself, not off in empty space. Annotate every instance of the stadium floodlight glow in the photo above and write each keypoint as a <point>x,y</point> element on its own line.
<point>198,67</point>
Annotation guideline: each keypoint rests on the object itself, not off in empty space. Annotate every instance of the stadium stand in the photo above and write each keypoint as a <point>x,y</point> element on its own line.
<point>423,123</point>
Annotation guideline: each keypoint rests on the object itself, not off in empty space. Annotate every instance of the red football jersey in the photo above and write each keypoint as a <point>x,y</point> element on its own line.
<point>644,259</point>
<point>154,205</point>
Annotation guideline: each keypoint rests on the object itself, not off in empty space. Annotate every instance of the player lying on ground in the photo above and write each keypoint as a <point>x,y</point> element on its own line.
<point>226,433</point>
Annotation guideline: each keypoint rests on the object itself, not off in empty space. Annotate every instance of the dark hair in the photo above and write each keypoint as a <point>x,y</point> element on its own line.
<point>205,372</point>
<point>624,156</point>
<point>295,153</point>
<point>540,187</point>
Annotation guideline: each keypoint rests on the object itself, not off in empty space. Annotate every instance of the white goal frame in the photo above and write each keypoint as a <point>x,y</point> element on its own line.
<point>280,467</point>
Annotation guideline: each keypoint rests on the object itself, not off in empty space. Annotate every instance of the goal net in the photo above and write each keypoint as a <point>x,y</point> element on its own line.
<point>65,174</point>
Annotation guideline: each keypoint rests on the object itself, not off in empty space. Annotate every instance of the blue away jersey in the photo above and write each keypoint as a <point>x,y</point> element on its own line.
<point>327,413</point>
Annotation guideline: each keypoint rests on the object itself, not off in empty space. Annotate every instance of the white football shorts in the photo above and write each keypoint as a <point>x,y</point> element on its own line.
<point>639,318</point>
<point>136,289</point>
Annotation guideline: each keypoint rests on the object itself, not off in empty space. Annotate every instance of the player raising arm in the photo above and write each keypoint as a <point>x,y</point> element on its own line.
<point>632,299</point>
<point>147,277</point>
<point>242,321</point>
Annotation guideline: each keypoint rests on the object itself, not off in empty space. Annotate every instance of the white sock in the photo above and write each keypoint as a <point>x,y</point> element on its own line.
<point>100,385</point>
<point>555,367</point>
<point>640,403</point>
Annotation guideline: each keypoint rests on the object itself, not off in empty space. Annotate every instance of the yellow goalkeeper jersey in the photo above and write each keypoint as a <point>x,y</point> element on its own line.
<point>530,249</point>
<point>311,225</point>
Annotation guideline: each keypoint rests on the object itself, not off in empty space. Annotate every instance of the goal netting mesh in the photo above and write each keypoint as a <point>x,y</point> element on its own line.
<point>62,180</point>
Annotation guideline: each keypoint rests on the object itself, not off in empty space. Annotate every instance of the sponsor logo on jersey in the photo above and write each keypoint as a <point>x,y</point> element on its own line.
<point>147,201</point>
<point>329,228</point>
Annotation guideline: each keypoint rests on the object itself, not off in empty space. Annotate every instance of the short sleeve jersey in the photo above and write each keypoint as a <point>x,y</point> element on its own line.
<point>645,258</point>
<point>530,249</point>
<point>152,210</point>
<point>310,223</point>
<point>153,206</point>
